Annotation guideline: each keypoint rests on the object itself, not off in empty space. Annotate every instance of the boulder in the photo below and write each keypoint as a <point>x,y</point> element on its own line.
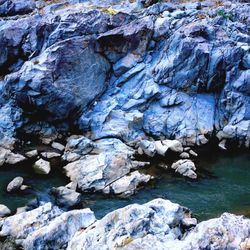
<point>128,184</point>
<point>58,146</point>
<point>65,197</point>
<point>4,211</point>
<point>44,227</point>
<point>50,155</point>
<point>42,167</point>
<point>108,162</point>
<point>15,184</point>
<point>185,168</point>
<point>32,153</point>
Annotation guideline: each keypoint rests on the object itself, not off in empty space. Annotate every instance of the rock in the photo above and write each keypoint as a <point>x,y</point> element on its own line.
<point>42,167</point>
<point>58,146</point>
<point>32,153</point>
<point>173,145</point>
<point>191,152</point>
<point>222,144</point>
<point>184,155</point>
<point>159,218</point>
<point>8,157</point>
<point>65,197</point>
<point>50,155</point>
<point>44,227</point>
<point>148,147</point>
<point>24,187</point>
<point>185,168</point>
<point>4,211</point>
<point>76,147</point>
<point>128,184</point>
<point>15,184</point>
<point>110,161</point>
<point>160,148</point>
<point>189,222</point>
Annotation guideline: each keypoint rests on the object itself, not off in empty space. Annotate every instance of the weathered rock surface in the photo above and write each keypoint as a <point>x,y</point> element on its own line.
<point>185,168</point>
<point>110,160</point>
<point>65,197</point>
<point>15,184</point>
<point>44,227</point>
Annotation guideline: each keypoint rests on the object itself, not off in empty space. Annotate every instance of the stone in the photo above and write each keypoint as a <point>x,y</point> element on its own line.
<point>8,157</point>
<point>173,145</point>
<point>128,184</point>
<point>58,146</point>
<point>222,145</point>
<point>15,184</point>
<point>50,155</point>
<point>160,148</point>
<point>108,162</point>
<point>191,152</point>
<point>185,168</point>
<point>148,147</point>
<point>42,167</point>
<point>4,211</point>
<point>65,197</point>
<point>184,155</point>
<point>44,227</point>
<point>32,153</point>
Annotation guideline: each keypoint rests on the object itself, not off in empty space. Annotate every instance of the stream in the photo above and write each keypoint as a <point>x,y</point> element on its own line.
<point>223,185</point>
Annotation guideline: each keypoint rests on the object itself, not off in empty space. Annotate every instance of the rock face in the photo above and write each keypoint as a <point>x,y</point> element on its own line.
<point>161,224</point>
<point>44,227</point>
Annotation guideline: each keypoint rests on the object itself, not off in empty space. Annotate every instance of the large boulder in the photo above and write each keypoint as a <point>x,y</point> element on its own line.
<point>62,80</point>
<point>46,227</point>
<point>108,162</point>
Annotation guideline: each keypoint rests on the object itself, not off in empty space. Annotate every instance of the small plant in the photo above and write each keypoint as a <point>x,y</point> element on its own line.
<point>110,11</point>
<point>224,14</point>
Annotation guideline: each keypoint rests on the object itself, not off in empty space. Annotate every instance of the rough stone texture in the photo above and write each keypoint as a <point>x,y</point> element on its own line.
<point>185,168</point>
<point>44,227</point>
<point>110,161</point>
<point>65,197</point>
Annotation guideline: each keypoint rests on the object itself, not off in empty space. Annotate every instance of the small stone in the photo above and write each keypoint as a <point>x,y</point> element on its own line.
<point>163,165</point>
<point>50,155</point>
<point>12,158</point>
<point>185,168</point>
<point>222,144</point>
<point>173,145</point>
<point>58,146</point>
<point>4,211</point>
<point>15,184</point>
<point>193,153</point>
<point>32,153</point>
<point>160,148</point>
<point>184,155</point>
<point>24,187</point>
<point>42,167</point>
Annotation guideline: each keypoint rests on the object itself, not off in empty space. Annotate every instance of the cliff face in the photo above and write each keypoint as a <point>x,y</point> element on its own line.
<point>128,71</point>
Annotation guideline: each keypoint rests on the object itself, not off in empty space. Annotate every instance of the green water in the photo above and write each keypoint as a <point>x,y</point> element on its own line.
<point>223,185</point>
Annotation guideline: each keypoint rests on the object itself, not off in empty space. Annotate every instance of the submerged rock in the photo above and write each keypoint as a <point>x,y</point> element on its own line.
<point>15,184</point>
<point>185,168</point>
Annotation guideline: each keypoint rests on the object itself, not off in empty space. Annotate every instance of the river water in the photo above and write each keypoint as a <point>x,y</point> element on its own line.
<point>223,186</point>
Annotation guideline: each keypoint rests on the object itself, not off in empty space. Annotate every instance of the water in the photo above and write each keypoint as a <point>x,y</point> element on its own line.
<point>223,185</point>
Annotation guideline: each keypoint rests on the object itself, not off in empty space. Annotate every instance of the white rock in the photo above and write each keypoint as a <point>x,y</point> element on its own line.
<point>173,145</point>
<point>32,153</point>
<point>4,211</point>
<point>160,148</point>
<point>158,217</point>
<point>193,153</point>
<point>58,146</point>
<point>15,184</point>
<point>128,184</point>
<point>50,155</point>
<point>148,147</point>
<point>42,167</point>
<point>184,155</point>
<point>185,168</point>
